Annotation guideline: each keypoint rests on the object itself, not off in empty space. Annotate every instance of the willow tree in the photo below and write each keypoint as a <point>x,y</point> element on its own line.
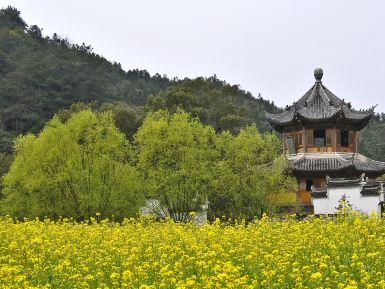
<point>250,177</point>
<point>73,168</point>
<point>175,155</point>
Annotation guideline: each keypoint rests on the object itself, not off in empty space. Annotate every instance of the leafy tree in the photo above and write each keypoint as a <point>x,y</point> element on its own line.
<point>175,155</point>
<point>186,164</point>
<point>5,161</point>
<point>371,139</point>
<point>35,32</point>
<point>127,118</point>
<point>224,106</point>
<point>10,17</point>
<point>74,168</point>
<point>65,114</point>
<point>250,176</point>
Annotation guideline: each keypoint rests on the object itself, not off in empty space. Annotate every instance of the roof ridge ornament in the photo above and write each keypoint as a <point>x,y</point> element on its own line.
<point>319,105</point>
<point>318,73</point>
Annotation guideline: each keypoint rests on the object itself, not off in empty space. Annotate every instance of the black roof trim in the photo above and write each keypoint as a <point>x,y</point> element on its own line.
<point>369,187</point>
<point>343,182</point>
<point>318,192</point>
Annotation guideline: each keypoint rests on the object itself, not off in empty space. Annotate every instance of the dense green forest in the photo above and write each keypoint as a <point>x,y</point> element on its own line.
<point>372,139</point>
<point>41,76</point>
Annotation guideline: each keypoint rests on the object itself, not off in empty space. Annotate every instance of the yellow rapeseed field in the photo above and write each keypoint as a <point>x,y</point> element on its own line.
<point>314,253</point>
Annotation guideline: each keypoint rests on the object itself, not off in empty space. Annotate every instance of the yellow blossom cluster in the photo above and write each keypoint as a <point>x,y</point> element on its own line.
<point>337,253</point>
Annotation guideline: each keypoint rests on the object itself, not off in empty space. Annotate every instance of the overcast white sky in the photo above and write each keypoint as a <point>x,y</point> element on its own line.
<point>269,47</point>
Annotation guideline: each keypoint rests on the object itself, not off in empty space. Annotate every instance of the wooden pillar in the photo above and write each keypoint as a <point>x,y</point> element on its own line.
<point>304,140</point>
<point>334,139</point>
<point>356,142</point>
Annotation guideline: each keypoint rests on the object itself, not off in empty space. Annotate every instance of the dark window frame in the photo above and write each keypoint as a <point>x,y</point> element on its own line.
<point>319,134</point>
<point>309,184</point>
<point>344,138</point>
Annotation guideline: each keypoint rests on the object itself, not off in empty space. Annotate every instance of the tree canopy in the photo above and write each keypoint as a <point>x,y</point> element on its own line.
<point>224,106</point>
<point>250,176</point>
<point>10,17</point>
<point>75,168</point>
<point>371,140</point>
<point>187,164</point>
<point>41,75</point>
<point>81,164</point>
<point>175,156</point>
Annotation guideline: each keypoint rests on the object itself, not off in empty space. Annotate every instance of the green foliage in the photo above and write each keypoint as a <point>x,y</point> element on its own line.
<point>250,175</point>
<point>39,76</point>
<point>344,207</point>
<point>371,140</point>
<point>74,168</point>
<point>5,161</point>
<point>186,164</point>
<point>175,155</point>
<point>81,164</point>
<point>224,106</point>
<point>127,118</point>
<point>10,17</point>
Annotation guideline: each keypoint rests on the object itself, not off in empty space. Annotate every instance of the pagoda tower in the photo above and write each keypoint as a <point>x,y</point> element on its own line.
<point>320,134</point>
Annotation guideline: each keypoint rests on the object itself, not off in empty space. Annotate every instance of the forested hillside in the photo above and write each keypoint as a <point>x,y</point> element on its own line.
<point>40,76</point>
<point>224,106</point>
<point>372,139</point>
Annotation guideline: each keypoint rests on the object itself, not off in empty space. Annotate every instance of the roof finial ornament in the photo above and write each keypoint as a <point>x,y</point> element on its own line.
<point>318,73</point>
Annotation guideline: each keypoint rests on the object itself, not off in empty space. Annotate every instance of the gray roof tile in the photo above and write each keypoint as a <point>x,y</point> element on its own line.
<point>319,104</point>
<point>335,162</point>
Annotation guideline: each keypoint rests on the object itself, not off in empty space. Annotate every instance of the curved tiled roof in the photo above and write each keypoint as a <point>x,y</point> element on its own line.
<point>318,192</point>
<point>343,182</point>
<point>319,162</point>
<point>319,104</point>
<point>283,118</point>
<point>371,188</point>
<point>325,163</point>
<point>365,164</point>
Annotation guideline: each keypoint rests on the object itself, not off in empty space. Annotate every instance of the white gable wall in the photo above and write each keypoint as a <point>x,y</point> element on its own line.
<point>359,202</point>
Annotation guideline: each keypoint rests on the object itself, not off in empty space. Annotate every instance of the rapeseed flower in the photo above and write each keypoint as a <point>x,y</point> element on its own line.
<point>346,253</point>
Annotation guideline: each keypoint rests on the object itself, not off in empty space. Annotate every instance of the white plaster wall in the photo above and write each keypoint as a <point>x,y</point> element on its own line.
<point>364,204</point>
